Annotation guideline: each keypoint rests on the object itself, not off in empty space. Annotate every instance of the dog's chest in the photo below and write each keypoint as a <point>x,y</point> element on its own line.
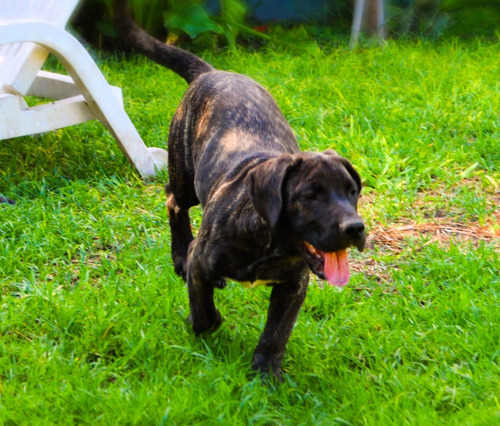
<point>268,271</point>
<point>258,283</point>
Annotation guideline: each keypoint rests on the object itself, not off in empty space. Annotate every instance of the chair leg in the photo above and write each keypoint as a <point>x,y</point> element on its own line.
<point>93,86</point>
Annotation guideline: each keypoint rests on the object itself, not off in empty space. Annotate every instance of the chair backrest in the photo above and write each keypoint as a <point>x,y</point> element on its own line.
<point>20,62</point>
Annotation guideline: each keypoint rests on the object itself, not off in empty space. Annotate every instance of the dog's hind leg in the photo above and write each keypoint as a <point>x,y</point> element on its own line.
<point>180,230</point>
<point>204,315</point>
<point>285,303</point>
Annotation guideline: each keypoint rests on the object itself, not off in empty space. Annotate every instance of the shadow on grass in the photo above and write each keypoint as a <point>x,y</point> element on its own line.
<point>39,164</point>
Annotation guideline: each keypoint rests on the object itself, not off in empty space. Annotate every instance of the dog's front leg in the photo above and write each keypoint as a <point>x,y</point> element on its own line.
<point>180,231</point>
<point>285,303</point>
<point>204,314</point>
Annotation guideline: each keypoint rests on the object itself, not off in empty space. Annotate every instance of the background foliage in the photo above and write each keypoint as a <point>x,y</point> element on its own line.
<point>439,18</point>
<point>220,22</point>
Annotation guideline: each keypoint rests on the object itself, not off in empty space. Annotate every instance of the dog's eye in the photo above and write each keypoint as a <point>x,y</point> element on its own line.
<point>313,192</point>
<point>352,191</point>
<point>310,195</point>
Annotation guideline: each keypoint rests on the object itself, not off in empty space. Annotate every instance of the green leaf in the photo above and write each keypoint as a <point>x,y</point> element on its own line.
<point>232,16</point>
<point>106,28</point>
<point>192,19</point>
<point>466,173</point>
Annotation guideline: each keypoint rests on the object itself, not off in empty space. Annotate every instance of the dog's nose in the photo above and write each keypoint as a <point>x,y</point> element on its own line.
<point>353,227</point>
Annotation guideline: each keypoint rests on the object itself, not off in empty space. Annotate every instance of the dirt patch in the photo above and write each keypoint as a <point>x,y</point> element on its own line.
<point>442,231</point>
<point>393,239</point>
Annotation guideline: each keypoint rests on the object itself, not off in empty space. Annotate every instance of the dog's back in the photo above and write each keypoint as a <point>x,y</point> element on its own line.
<point>245,124</point>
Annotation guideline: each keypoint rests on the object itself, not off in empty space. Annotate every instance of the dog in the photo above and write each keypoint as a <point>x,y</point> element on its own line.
<point>271,213</point>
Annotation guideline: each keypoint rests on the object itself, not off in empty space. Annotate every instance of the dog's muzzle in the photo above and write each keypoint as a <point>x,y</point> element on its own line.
<point>354,230</point>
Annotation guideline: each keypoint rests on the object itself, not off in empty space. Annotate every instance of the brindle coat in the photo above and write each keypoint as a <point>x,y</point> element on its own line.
<point>231,149</point>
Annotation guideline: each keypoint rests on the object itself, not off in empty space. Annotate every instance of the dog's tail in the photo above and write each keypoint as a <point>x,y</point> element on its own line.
<point>187,65</point>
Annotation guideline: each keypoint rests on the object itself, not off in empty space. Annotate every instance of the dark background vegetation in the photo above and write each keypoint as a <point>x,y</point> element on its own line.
<point>216,23</point>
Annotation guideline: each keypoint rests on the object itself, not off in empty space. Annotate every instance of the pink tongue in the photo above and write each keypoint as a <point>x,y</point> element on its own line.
<point>337,268</point>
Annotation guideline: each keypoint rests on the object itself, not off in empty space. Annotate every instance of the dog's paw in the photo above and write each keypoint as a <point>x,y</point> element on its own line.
<point>6,200</point>
<point>268,371</point>
<point>209,326</point>
<point>180,266</point>
<point>180,271</point>
<point>270,377</point>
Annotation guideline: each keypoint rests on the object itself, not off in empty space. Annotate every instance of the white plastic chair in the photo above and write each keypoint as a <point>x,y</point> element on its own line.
<point>29,31</point>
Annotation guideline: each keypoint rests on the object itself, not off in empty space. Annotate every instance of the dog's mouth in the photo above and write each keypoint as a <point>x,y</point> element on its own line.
<point>332,266</point>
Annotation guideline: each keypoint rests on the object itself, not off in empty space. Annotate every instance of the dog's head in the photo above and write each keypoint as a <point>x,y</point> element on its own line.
<point>312,198</point>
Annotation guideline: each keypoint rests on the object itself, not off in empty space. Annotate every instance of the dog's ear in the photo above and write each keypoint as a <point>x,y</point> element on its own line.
<point>265,183</point>
<point>349,167</point>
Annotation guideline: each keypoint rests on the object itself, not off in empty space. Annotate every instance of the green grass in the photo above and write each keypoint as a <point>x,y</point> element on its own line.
<point>93,319</point>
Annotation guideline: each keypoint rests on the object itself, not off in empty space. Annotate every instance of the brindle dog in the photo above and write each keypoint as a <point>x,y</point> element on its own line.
<point>271,213</point>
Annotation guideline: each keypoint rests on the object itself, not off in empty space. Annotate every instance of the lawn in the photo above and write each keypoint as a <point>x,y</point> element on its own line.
<point>93,319</point>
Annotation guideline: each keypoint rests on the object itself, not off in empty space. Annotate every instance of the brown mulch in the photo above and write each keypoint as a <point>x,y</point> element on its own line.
<point>440,230</point>
<point>439,223</point>
<point>393,239</point>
